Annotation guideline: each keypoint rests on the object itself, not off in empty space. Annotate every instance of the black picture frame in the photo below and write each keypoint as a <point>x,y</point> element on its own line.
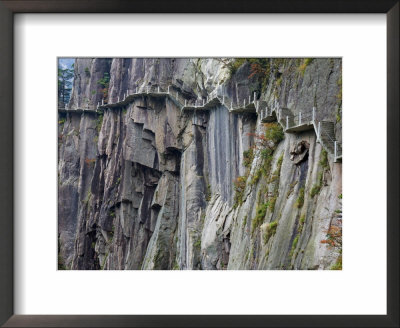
<point>7,198</point>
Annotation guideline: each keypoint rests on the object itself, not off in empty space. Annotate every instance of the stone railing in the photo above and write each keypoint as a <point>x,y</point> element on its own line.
<point>304,120</point>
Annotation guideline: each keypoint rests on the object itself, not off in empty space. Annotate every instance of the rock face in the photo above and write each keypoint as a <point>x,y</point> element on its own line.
<point>300,152</point>
<point>148,186</point>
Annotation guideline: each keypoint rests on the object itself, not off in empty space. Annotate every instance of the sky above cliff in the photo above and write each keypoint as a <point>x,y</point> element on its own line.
<point>65,62</point>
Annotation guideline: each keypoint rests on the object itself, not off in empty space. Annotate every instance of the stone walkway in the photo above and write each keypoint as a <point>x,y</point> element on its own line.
<point>290,123</point>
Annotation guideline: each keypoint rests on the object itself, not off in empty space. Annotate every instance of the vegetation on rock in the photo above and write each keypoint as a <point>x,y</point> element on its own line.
<point>270,231</point>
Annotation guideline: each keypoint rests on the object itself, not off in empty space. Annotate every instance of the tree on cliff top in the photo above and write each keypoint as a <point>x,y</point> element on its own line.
<point>65,76</point>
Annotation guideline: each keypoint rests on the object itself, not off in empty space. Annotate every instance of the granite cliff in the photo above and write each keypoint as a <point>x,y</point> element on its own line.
<point>147,184</point>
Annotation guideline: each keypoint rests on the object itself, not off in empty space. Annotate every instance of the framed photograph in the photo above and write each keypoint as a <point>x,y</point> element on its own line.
<point>214,165</point>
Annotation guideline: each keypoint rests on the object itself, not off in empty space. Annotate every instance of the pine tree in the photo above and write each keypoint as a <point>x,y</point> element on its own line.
<point>64,85</point>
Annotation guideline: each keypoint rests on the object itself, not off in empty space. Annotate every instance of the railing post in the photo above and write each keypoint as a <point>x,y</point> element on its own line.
<point>168,89</point>
<point>300,118</point>
<point>185,102</point>
<point>203,102</point>
<point>313,114</point>
<point>335,149</point>
<point>254,96</point>
<point>118,99</point>
<point>231,105</point>
<point>158,89</point>
<point>287,122</point>
<point>319,130</point>
<point>223,99</point>
<point>102,102</point>
<point>244,102</point>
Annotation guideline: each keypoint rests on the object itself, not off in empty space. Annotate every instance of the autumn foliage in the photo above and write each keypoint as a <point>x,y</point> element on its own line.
<point>90,161</point>
<point>334,236</point>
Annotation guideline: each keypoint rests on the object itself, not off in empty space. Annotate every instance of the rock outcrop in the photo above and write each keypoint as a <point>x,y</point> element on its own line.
<point>148,186</point>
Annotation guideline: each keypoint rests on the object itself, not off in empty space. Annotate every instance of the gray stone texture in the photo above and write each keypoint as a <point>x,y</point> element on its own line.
<point>147,186</point>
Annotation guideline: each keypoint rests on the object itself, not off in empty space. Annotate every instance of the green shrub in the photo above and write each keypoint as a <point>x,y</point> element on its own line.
<point>102,266</point>
<point>244,221</point>
<point>234,65</point>
<point>317,187</point>
<point>324,159</point>
<point>277,172</point>
<point>295,241</point>
<point>338,264</point>
<point>260,215</point>
<point>278,81</point>
<point>272,202</point>
<point>197,244</point>
<point>304,64</point>
<point>256,176</point>
<point>61,265</point>
<point>339,94</point>
<point>88,197</point>
<point>248,156</point>
<point>104,81</point>
<point>338,117</point>
<point>208,193</point>
<point>301,223</point>
<point>99,122</point>
<point>270,231</point>
<point>274,132</point>
<point>315,190</point>
<point>239,186</point>
<point>300,199</point>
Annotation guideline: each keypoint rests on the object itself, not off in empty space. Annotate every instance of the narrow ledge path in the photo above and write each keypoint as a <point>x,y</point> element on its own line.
<point>303,121</point>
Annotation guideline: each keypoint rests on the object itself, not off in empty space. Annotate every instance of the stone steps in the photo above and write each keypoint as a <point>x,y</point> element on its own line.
<point>289,122</point>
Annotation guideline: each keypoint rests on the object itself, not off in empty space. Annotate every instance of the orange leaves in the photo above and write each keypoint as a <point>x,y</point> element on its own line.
<point>256,69</point>
<point>90,161</point>
<point>105,93</point>
<point>240,183</point>
<point>334,236</point>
